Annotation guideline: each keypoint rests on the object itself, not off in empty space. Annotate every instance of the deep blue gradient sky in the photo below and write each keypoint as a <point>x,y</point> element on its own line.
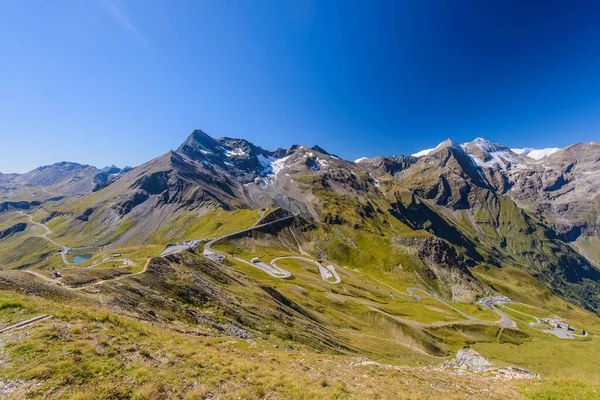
<point>108,81</point>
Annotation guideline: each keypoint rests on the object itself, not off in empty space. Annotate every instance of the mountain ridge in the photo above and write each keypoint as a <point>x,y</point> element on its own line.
<point>479,180</point>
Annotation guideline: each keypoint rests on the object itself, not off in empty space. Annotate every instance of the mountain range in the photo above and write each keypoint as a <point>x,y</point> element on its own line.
<point>462,223</point>
<point>493,204</point>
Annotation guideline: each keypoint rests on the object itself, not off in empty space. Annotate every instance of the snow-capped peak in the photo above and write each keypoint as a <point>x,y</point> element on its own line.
<point>361,159</point>
<point>487,145</point>
<point>485,153</point>
<point>445,144</point>
<point>536,154</point>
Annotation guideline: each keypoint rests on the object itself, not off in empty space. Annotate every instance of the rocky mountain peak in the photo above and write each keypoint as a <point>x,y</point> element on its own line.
<point>321,150</point>
<point>486,145</point>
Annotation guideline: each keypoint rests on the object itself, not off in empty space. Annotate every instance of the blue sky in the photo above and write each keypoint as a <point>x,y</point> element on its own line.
<point>120,82</point>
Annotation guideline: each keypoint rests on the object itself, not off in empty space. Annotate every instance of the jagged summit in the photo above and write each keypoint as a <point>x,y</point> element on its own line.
<point>486,145</point>
<point>486,153</point>
<point>318,148</point>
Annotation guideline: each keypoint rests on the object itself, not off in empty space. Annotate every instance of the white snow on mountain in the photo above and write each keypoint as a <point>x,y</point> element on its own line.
<point>278,165</point>
<point>234,153</point>
<point>485,153</point>
<point>266,163</point>
<point>535,153</point>
<point>423,152</point>
<point>322,163</point>
<point>361,159</point>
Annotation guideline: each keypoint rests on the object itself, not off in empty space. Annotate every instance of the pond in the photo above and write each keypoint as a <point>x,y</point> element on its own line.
<point>79,259</point>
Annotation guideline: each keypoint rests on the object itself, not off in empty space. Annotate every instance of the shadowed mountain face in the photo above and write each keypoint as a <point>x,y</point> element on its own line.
<point>491,204</point>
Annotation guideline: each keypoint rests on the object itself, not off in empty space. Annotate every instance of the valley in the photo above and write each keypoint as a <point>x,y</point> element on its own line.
<point>222,258</point>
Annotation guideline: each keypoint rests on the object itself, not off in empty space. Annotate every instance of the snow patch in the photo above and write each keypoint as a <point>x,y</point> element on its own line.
<point>278,165</point>
<point>423,152</point>
<point>235,153</point>
<point>322,163</point>
<point>266,164</point>
<point>361,159</point>
<point>495,155</point>
<point>536,154</point>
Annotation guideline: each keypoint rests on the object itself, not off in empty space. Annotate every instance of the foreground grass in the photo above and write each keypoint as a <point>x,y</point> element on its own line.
<point>92,353</point>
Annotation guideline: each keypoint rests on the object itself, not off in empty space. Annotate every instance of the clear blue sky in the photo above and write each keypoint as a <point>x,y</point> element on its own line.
<point>108,81</point>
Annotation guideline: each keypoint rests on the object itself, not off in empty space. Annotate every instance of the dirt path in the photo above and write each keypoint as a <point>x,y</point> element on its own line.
<point>58,282</point>
<point>144,269</point>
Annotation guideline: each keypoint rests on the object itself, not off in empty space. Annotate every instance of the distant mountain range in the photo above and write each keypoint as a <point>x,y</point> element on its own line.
<point>536,154</point>
<point>534,210</point>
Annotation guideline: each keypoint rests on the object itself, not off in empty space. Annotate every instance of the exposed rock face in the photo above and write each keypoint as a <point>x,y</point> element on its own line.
<point>237,156</point>
<point>391,165</point>
<point>15,205</point>
<point>472,360</point>
<point>517,373</point>
<point>565,185</point>
<point>86,214</point>
<point>443,263</point>
<point>107,176</point>
<point>20,227</point>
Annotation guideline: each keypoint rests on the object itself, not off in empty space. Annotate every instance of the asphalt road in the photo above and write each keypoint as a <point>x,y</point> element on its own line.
<point>328,273</point>
<point>490,303</point>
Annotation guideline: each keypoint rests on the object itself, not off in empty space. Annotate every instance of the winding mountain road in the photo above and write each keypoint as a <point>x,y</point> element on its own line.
<point>64,249</point>
<point>329,271</point>
<point>490,303</point>
<point>272,270</point>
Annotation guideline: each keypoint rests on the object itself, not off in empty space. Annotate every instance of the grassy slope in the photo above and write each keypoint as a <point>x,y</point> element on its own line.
<point>91,350</point>
<point>93,353</point>
<point>567,362</point>
<point>530,349</point>
<point>373,324</point>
